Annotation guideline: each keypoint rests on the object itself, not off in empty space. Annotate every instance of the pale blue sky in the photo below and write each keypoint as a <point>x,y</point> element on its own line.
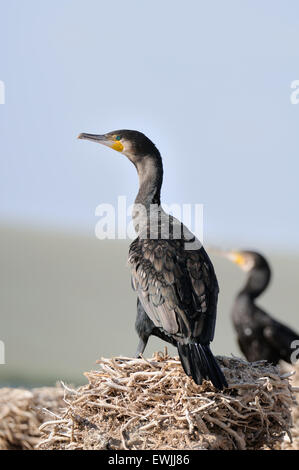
<point>207,81</point>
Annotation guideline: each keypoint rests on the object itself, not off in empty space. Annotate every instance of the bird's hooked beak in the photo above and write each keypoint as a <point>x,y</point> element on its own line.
<point>107,140</point>
<point>244,260</point>
<point>234,256</point>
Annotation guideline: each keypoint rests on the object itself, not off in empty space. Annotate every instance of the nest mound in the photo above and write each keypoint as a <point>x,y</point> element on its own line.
<point>152,404</point>
<point>294,443</point>
<point>22,412</point>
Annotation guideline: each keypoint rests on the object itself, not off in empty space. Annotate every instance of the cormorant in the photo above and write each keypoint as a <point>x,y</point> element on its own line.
<point>172,274</point>
<point>260,336</point>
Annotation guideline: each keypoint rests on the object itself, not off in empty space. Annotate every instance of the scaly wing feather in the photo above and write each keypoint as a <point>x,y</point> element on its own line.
<point>177,287</point>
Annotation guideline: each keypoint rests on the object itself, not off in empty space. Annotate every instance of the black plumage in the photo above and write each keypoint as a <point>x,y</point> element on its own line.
<point>260,336</point>
<point>172,274</point>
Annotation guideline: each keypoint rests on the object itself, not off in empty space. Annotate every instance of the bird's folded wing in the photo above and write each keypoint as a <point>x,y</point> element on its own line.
<point>173,286</point>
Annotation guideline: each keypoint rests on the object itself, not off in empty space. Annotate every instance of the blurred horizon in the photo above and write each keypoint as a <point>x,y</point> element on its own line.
<point>88,233</point>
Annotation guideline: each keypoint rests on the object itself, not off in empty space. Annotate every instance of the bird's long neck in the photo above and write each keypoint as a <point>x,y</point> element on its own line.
<point>257,281</point>
<point>150,172</point>
<point>148,201</point>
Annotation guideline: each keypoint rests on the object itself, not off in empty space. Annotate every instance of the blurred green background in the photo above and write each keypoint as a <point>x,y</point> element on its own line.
<point>60,312</point>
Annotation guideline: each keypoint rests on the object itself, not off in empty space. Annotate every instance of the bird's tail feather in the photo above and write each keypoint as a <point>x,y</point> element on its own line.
<point>199,363</point>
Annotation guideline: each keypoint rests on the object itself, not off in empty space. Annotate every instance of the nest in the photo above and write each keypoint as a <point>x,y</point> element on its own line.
<point>22,412</point>
<point>294,443</point>
<point>151,404</point>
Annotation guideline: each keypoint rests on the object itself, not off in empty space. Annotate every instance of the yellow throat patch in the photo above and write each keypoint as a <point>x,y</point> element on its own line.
<point>239,259</point>
<point>118,146</point>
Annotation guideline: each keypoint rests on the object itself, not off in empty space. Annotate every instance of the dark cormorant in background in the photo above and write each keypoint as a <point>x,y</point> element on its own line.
<point>260,337</point>
<point>171,272</point>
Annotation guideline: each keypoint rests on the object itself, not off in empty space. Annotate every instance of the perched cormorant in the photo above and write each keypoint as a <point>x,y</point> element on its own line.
<point>260,337</point>
<point>172,274</point>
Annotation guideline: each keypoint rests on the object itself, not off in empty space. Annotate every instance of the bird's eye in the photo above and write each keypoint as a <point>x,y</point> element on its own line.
<point>118,137</point>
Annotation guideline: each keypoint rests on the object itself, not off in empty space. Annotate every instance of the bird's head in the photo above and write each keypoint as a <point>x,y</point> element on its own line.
<point>247,260</point>
<point>133,144</point>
